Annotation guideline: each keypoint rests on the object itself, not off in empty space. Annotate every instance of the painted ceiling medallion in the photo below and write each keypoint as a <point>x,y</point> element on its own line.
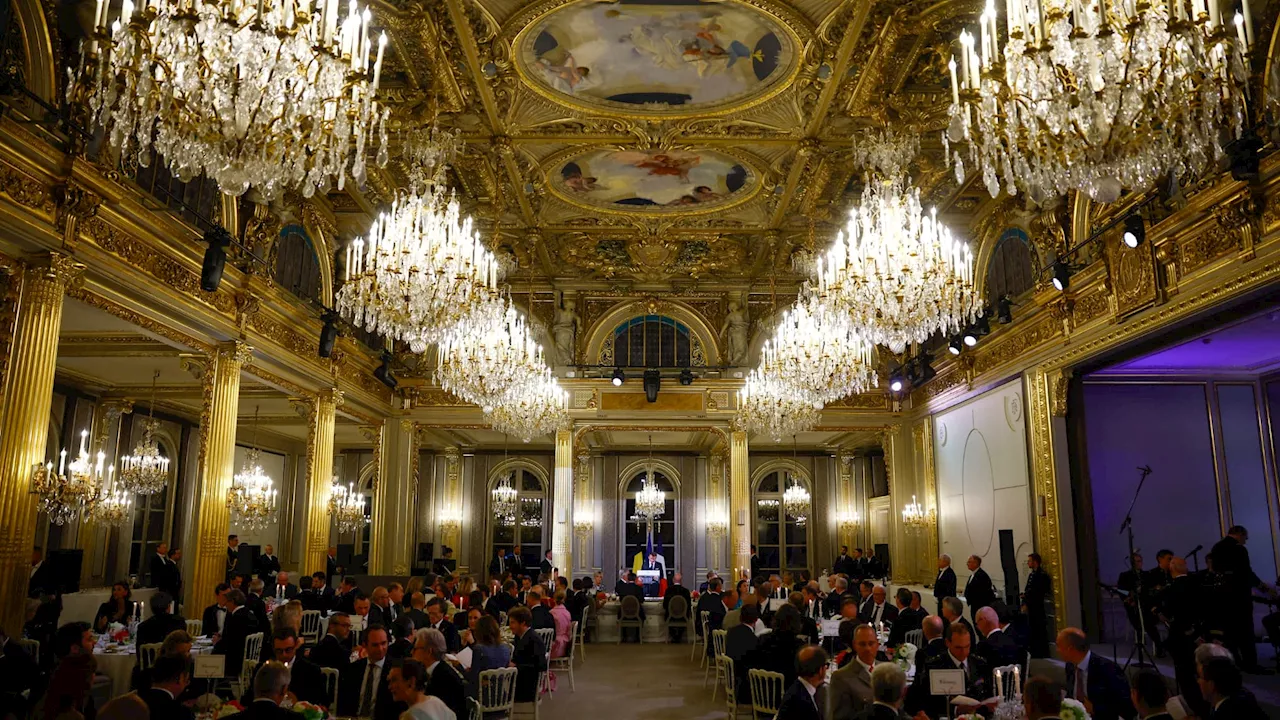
<point>653,181</point>
<point>657,57</point>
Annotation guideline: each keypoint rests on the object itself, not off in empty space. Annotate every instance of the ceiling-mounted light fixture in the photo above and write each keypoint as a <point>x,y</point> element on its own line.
<point>328,334</point>
<point>1061,276</point>
<point>652,384</point>
<point>1135,230</point>
<point>215,258</point>
<point>619,377</point>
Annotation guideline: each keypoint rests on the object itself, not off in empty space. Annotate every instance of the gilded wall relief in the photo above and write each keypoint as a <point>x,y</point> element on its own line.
<point>657,57</point>
<point>653,181</point>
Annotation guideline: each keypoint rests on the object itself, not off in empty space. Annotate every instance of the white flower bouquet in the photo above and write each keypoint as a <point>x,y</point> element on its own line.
<point>1073,710</point>
<point>905,656</point>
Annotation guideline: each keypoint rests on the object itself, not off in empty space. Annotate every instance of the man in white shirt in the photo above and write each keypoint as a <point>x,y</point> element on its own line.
<point>364,692</point>
<point>442,680</point>
<point>881,611</point>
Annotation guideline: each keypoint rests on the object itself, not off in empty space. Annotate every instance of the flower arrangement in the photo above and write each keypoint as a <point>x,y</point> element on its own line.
<point>117,632</point>
<point>227,709</point>
<point>905,655</point>
<point>310,711</point>
<point>601,595</point>
<point>1073,710</point>
<point>695,595</point>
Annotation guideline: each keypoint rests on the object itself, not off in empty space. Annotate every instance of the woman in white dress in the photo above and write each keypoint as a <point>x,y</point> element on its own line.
<point>407,683</point>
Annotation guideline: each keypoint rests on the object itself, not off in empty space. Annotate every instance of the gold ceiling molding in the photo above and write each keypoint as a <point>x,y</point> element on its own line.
<point>111,307</point>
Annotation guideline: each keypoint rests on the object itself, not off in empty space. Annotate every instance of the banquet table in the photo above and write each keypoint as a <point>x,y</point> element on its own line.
<point>655,622</point>
<point>82,606</point>
<point>117,661</point>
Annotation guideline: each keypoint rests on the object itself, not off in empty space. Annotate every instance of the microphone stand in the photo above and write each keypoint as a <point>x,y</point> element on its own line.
<point>1195,556</point>
<point>1139,648</point>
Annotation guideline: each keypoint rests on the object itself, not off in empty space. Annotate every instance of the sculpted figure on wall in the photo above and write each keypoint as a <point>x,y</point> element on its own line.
<point>735,332</point>
<point>564,329</point>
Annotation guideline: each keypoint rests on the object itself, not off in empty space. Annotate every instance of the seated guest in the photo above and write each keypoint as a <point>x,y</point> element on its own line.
<point>403,648</point>
<point>360,618</point>
<point>18,675</point>
<point>345,598</point>
<point>73,675</point>
<point>381,610</point>
<point>908,619</point>
<point>998,648</point>
<point>528,656</point>
<point>436,619</point>
<point>888,685</point>
<point>812,603</point>
<point>880,611</point>
<point>363,688</point>
<point>466,636</point>
<point>849,609</point>
<point>712,603</point>
<point>844,642</point>
<point>632,588</point>
<point>488,652</point>
<point>1041,698</point>
<point>445,682</point>
<point>849,691</point>
<point>1150,695</point>
<point>776,650</point>
<point>162,622</point>
<point>333,650</point>
<point>740,643</point>
<point>169,678</point>
<point>953,611</point>
<point>934,645</point>
<point>542,619</point>
<point>253,600</point>
<point>306,681</point>
<point>239,625</point>
<point>801,701</point>
<point>216,614</point>
<point>270,687</point>
<point>408,685</point>
<point>1103,683</point>
<point>1222,686</point>
<point>321,594</point>
<point>503,602</point>
<point>117,609</point>
<point>282,589</point>
<point>840,588</point>
<point>809,624</point>
<point>674,590</point>
<point>563,623</point>
<point>957,657</point>
<point>418,610</point>
<point>866,588</point>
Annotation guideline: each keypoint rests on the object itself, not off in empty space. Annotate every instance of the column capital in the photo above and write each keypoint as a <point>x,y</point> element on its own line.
<point>235,351</point>
<point>56,267</point>
<point>332,395</point>
<point>303,406</point>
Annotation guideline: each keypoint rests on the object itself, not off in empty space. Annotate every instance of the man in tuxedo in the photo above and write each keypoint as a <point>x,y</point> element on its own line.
<point>865,599</point>
<point>319,596</point>
<point>169,677</point>
<point>1095,681</point>
<point>997,647</point>
<point>283,590</point>
<point>306,681</point>
<point>436,620</point>
<point>1150,694</point>
<point>233,556</point>
<point>711,602</point>
<point>331,564</point>
<point>908,618</point>
<point>215,616</point>
<point>1042,698</point>
<point>345,599</point>
<point>630,588</point>
<point>528,656</point>
<point>888,684</point>
<point>1037,592</point>
<point>545,566</point>
<point>934,644</point>
<point>267,565</point>
<point>162,622</point>
<point>859,569</point>
<point>879,610</point>
<point>755,564</point>
<point>239,624</point>
<point>802,700</point>
<point>674,590</point>
<point>979,591</point>
<point>1231,560</point>
<point>445,682</point>
<point>953,612</point>
<point>515,563</point>
<point>875,568</point>
<point>417,611</point>
<point>382,611</point>
<point>159,567</point>
<point>831,604</point>
<point>364,691</point>
<point>1223,687</point>
<point>253,600</point>
<point>843,564</point>
<point>740,644</point>
<point>957,657</point>
<point>849,691</point>
<point>270,687</point>
<point>944,585</point>
<point>334,649</point>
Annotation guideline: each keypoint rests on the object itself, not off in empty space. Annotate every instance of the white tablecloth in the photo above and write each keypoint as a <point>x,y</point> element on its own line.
<point>83,605</point>
<point>118,666</point>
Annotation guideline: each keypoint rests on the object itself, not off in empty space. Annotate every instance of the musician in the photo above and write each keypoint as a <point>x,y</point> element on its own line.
<point>1038,590</point>
<point>1136,604</point>
<point>1231,559</point>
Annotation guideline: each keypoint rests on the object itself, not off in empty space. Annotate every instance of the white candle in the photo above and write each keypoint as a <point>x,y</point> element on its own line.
<point>62,462</point>
<point>966,45</point>
<point>288,13</point>
<point>1215,14</point>
<point>97,16</point>
<point>364,40</point>
<point>1248,21</point>
<point>955,89</point>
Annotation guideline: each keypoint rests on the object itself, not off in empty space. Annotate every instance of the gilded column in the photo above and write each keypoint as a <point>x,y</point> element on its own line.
<point>899,572</point>
<point>739,503</point>
<point>24,420</point>
<point>315,519</point>
<point>449,518</point>
<point>717,522</point>
<point>922,435</point>
<point>848,503</point>
<point>562,489</point>
<point>583,513</point>
<point>216,465</point>
<point>394,500</point>
<point>1047,410</point>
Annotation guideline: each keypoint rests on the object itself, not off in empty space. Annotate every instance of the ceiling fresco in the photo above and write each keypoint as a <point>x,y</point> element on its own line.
<point>659,180</point>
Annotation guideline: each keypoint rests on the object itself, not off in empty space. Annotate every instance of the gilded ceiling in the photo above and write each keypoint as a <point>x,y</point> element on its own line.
<point>667,145</point>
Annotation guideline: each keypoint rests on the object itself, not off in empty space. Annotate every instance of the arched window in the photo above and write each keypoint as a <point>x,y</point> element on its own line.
<point>652,341</point>
<point>297,268</point>
<point>782,541</point>
<point>527,527</point>
<point>1012,269</point>
<point>635,538</point>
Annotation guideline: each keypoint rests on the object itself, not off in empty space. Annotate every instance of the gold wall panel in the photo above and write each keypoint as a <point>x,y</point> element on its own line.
<point>667,402</point>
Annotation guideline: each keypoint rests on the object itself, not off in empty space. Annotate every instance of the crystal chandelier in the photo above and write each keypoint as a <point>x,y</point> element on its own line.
<point>75,489</point>
<point>251,498</point>
<point>651,501</point>
<point>818,351</point>
<point>532,408</point>
<point>895,269</point>
<point>487,356</point>
<point>273,95</point>
<point>346,506</point>
<point>116,507</point>
<point>1097,96</point>
<point>795,501</point>
<point>503,499</point>
<point>914,517</point>
<point>421,270</point>
<point>768,509</point>
<point>772,407</point>
<point>146,471</point>
<point>531,512</point>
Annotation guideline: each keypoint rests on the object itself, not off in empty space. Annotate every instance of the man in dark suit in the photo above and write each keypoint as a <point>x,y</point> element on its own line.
<point>18,674</point>
<point>831,604</point>
<point>1231,560</point>
<point>998,648</point>
<point>503,602</point>
<point>1037,592</point>
<point>979,591</point>
<point>880,611</point>
<point>1150,694</point>
<point>333,650</point>
<point>40,579</point>
<point>953,612</point>
<point>1094,680</point>
<point>528,656</point>
<point>957,657</point>
<point>1042,698</point>
<point>270,686</point>
<point>382,611</point>
<point>239,624</point>
<point>345,599</point>
<point>159,567</point>
<point>283,590</point>
<point>515,563</point>
<point>944,585</point>
<point>233,556</point>
<point>674,590</point>
<point>545,566</point>
<point>306,681</point>
<point>630,588</point>
<point>755,564</point>
<point>802,701</point>
<point>319,596</point>
<point>169,677</point>
<point>445,682</point>
<point>711,602</point>
<point>267,565</point>
<point>1223,687</point>
<point>908,618</point>
<point>331,564</point>
<point>875,568</point>
<point>162,622</point>
<point>253,600</point>
<point>865,599</point>
<point>935,645</point>
<point>436,619</point>
<point>888,683</point>
<point>843,564</point>
<point>215,615</point>
<point>740,643</point>
<point>364,691</point>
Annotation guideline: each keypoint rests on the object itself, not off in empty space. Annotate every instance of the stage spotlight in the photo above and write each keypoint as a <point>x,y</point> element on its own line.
<point>955,345</point>
<point>215,258</point>
<point>686,377</point>
<point>1242,156</point>
<point>652,384</point>
<point>1135,230</point>
<point>1061,276</point>
<point>895,382</point>
<point>978,329</point>
<point>618,377</point>
<point>1004,312</point>
<point>328,334</point>
<point>383,373</point>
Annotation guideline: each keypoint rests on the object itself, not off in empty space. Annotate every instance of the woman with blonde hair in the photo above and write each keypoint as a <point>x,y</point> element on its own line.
<point>413,586</point>
<point>465,585</point>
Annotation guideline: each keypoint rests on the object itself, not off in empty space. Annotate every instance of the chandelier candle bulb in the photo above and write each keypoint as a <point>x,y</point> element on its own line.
<point>377,65</point>
<point>955,89</point>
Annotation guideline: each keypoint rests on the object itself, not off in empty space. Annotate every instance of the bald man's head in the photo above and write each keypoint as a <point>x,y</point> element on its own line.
<point>1178,566</point>
<point>932,627</point>
<point>988,620</point>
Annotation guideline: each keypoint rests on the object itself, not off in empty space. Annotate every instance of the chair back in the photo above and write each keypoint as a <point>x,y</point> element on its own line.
<point>916,637</point>
<point>630,608</point>
<point>547,636</point>
<point>766,691</point>
<point>717,641</point>
<point>331,686</point>
<point>497,691</point>
<point>195,628</point>
<point>573,640</point>
<point>310,626</point>
<point>147,655</point>
<point>253,648</point>
<point>704,619</point>
<point>678,610</point>
<point>32,648</point>
<point>473,710</point>
<point>730,680</point>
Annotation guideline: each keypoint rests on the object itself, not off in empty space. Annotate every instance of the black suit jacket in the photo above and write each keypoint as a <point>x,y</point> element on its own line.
<point>932,650</point>
<point>238,626</point>
<point>209,620</point>
<point>979,592</point>
<point>384,617</point>
<point>262,710</point>
<point>447,684</point>
<point>1243,706</point>
<point>18,670</point>
<point>842,566</point>
<point>739,644</point>
<point>798,705</point>
<point>330,567</point>
<point>945,584</point>
<point>542,618</point>
<point>1107,687</point>
<point>267,566</point>
<point>1000,649</point>
<point>157,627</point>
<point>496,567</point>
<point>330,653</point>
<point>259,610</point>
<point>887,615</point>
<point>306,682</point>
<point>919,698</point>
<point>712,603</point>
<point>321,600</point>
<point>1038,589</point>
<point>453,640</point>
<point>345,603</point>
<point>290,590</point>
<point>163,705</point>
<point>755,566</point>
<point>907,621</point>
<point>545,567</point>
<point>385,706</point>
<point>515,565</point>
<point>880,712</point>
<point>159,571</point>
<point>530,658</point>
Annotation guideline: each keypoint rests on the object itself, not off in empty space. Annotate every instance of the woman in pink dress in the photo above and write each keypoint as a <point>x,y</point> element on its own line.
<point>560,646</point>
